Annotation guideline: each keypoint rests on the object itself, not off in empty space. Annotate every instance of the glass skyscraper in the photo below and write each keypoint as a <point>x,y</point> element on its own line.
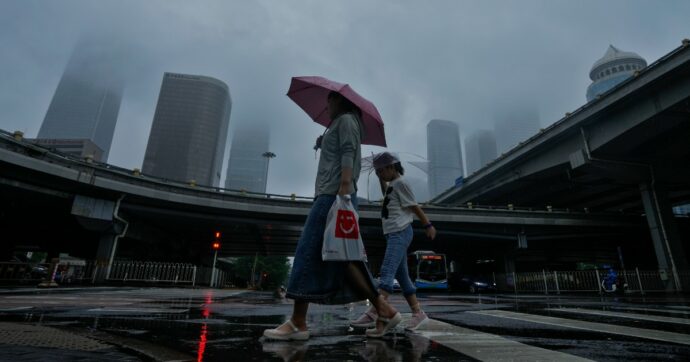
<point>515,121</point>
<point>480,149</point>
<point>247,167</point>
<point>444,155</point>
<point>87,99</point>
<point>190,130</point>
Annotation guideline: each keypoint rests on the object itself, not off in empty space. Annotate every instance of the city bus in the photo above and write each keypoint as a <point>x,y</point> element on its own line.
<point>428,270</point>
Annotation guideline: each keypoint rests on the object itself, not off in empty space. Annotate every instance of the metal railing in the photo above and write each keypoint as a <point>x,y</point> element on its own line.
<point>121,272</point>
<point>137,271</point>
<point>557,282</point>
<point>206,276</point>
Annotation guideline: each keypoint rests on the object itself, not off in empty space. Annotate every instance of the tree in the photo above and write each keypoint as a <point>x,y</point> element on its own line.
<point>272,271</point>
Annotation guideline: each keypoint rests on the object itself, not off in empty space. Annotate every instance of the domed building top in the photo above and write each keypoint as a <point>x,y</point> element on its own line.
<point>613,59</point>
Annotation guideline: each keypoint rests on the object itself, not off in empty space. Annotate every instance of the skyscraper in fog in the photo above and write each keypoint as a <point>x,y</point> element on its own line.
<point>87,99</point>
<point>613,68</point>
<point>480,149</point>
<point>247,167</point>
<point>515,121</point>
<point>444,155</point>
<point>190,129</point>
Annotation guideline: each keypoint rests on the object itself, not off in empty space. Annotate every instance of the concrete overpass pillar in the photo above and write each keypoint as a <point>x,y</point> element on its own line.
<point>101,216</point>
<point>668,248</point>
<point>106,247</point>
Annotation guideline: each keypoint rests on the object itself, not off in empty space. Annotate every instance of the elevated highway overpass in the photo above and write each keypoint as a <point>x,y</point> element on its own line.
<point>55,202</point>
<point>628,151</point>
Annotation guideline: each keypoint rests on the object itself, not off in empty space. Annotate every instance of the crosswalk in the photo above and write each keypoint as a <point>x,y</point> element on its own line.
<point>635,316</point>
<point>483,346</point>
<point>489,347</point>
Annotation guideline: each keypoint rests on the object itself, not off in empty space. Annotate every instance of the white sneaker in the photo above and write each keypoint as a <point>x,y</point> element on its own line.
<point>417,320</point>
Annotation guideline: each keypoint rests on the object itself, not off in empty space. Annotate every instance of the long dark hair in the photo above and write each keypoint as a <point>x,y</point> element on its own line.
<point>345,104</point>
<point>398,167</point>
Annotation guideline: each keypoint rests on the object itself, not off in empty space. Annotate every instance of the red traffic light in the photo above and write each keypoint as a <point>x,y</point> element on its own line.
<point>217,234</point>
<point>216,245</point>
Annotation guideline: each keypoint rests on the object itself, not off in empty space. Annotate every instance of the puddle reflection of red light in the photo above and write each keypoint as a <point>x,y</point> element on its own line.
<point>202,343</point>
<point>205,312</point>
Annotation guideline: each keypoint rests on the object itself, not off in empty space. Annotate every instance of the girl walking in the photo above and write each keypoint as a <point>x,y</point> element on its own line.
<point>399,207</point>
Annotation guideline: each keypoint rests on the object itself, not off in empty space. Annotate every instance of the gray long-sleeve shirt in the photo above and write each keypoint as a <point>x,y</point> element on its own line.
<point>341,146</point>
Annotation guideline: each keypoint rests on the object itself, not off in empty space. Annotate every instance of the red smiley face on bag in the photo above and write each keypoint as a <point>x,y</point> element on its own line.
<point>346,225</point>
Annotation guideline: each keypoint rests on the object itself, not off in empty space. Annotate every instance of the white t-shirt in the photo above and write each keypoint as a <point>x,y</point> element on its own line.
<point>395,213</point>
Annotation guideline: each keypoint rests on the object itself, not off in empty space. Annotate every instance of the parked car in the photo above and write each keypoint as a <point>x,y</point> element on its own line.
<point>472,284</point>
<point>35,271</point>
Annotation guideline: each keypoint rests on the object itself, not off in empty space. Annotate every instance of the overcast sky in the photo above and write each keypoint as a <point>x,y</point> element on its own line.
<point>416,60</point>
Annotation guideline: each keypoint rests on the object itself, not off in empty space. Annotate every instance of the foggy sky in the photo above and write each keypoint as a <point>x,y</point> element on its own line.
<point>416,60</point>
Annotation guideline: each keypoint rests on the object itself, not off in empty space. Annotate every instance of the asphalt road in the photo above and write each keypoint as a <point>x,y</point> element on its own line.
<point>167,324</point>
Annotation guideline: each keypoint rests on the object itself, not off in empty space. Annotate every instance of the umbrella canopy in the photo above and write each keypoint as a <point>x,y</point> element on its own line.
<point>311,94</point>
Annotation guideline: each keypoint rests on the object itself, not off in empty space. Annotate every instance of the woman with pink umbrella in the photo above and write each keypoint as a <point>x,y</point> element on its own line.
<point>349,119</point>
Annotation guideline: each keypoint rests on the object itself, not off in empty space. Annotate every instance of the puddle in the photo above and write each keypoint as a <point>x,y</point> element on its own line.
<point>219,329</point>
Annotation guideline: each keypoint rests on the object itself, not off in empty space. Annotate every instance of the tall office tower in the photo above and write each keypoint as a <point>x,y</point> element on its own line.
<point>247,166</point>
<point>87,99</point>
<point>444,155</point>
<point>480,149</point>
<point>189,131</point>
<point>614,67</point>
<point>515,121</point>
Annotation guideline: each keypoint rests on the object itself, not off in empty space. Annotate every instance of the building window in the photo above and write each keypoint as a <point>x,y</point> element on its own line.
<point>608,72</point>
<point>614,70</point>
<point>620,68</point>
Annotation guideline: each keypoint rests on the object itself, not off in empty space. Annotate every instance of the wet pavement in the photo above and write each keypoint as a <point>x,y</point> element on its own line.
<point>176,324</point>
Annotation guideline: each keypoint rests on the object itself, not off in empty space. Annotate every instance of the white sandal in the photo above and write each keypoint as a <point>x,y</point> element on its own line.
<point>294,335</point>
<point>388,324</point>
<point>366,320</point>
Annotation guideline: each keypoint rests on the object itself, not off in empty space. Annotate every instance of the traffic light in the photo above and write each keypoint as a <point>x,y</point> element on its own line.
<point>216,243</point>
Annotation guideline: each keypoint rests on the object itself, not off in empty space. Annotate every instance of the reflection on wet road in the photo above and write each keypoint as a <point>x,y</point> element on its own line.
<point>214,325</point>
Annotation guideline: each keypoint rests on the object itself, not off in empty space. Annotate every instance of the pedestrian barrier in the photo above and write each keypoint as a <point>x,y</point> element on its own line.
<point>92,272</point>
<point>156,272</point>
<point>206,276</point>
<point>625,281</point>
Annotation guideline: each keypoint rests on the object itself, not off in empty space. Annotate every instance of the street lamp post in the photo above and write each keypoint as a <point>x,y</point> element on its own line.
<point>268,155</point>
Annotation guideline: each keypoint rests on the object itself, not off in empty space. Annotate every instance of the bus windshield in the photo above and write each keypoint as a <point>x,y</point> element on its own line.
<point>432,267</point>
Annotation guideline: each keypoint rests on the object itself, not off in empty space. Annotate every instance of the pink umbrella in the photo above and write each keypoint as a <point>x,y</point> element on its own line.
<point>311,94</point>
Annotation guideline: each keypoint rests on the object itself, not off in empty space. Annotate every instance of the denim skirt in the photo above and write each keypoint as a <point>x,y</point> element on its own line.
<point>314,280</point>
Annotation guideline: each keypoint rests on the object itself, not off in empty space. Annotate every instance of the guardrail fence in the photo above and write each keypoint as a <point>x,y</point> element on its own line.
<point>121,272</point>
<point>592,281</point>
<point>159,273</point>
<point>153,272</point>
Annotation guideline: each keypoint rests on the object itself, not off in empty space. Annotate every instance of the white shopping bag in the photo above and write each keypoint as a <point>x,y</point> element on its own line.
<point>342,240</point>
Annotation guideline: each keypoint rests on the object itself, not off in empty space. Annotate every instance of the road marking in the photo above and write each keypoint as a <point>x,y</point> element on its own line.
<point>653,310</point>
<point>15,309</point>
<point>488,347</point>
<point>139,310</point>
<point>643,317</point>
<point>591,326</point>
